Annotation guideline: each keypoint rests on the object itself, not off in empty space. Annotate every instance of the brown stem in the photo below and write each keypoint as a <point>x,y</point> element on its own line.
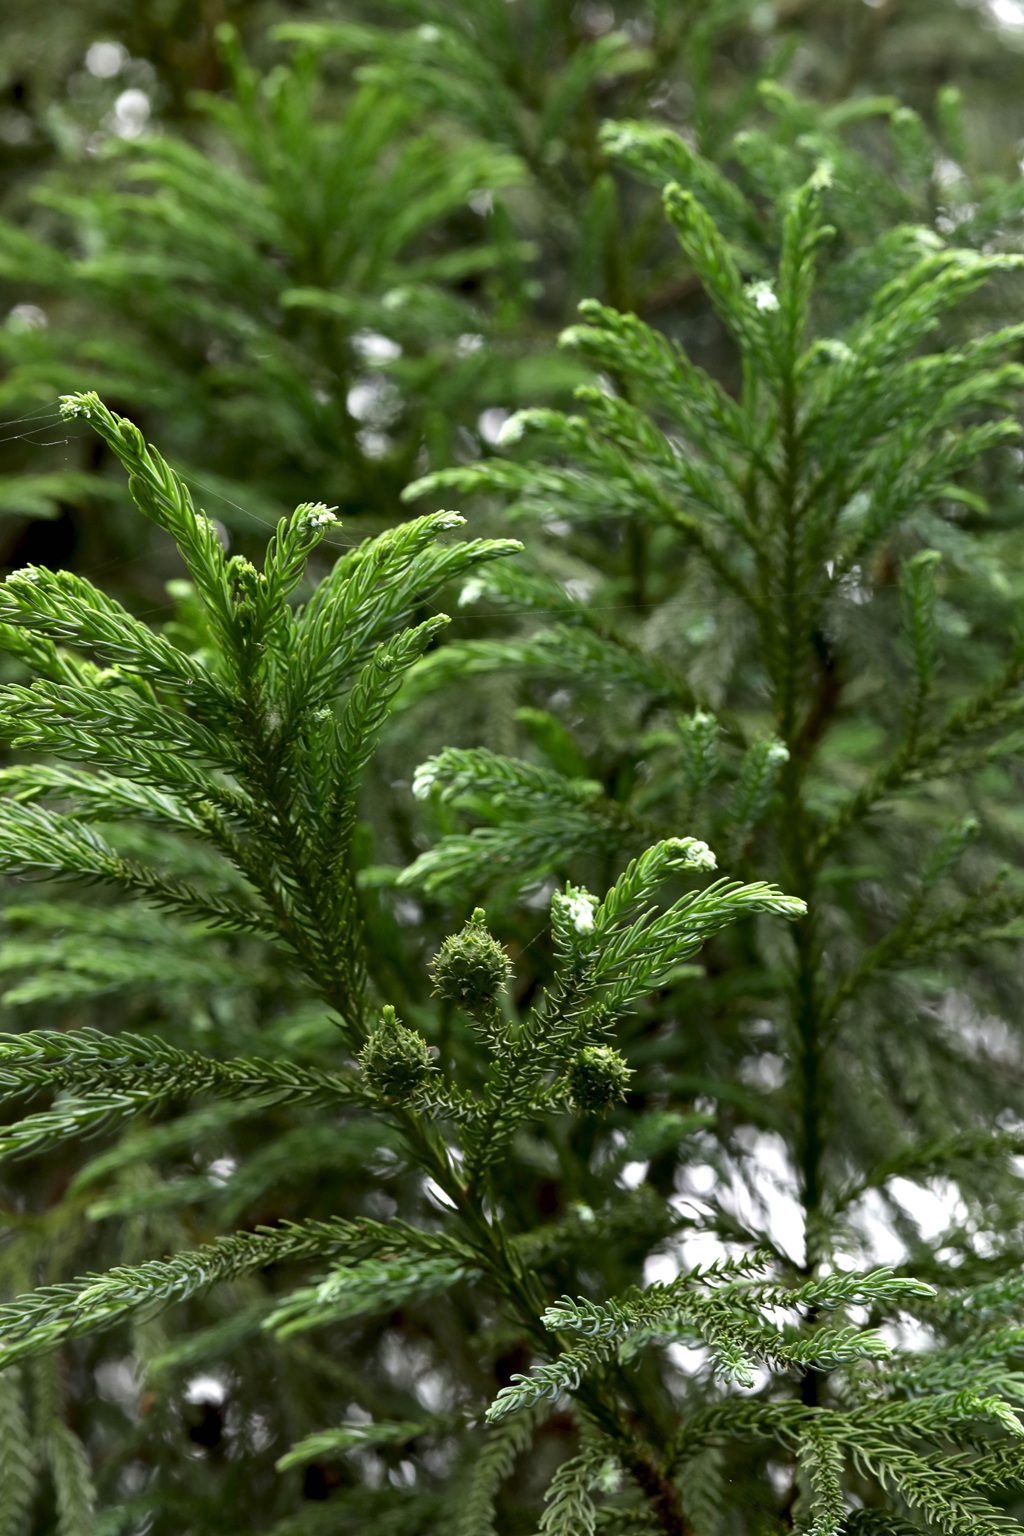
<point>663,1499</point>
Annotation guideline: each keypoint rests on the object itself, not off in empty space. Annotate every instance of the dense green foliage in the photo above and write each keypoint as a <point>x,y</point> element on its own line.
<point>555,1068</point>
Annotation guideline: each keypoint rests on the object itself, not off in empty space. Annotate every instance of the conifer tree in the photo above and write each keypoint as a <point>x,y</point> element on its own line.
<point>202,271</point>
<point>823,527</point>
<point>549,1179</point>
<point>217,785</point>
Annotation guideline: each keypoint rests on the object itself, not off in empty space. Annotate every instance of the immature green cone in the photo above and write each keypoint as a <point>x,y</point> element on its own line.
<point>598,1078</point>
<point>396,1060</point>
<point>471,968</point>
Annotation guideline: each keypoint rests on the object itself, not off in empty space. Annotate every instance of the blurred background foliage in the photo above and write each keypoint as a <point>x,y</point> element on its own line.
<point>318,250</point>
<point>230,217</point>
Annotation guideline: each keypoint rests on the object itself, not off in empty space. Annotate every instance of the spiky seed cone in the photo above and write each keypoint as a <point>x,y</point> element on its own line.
<point>471,968</point>
<point>598,1078</point>
<point>395,1059</point>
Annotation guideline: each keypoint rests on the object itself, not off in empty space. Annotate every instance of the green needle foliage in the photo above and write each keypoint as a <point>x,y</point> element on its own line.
<point>341,260</point>
<point>797,563</point>
<point>257,741</point>
<point>217,785</point>
<point>562,1074</point>
<point>237,278</point>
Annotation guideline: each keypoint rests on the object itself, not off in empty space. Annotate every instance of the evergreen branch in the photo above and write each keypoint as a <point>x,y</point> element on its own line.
<point>492,1464</point>
<point>290,546</point>
<point>340,750</point>
<point>701,1478</point>
<point>732,1334</point>
<point>614,487</point>
<point>88,1061</point>
<point>628,434</point>
<point>735,1418</point>
<point>902,483</point>
<point>937,1415</point>
<point>42,655</point>
<point>353,1437</point>
<point>935,1487</point>
<point>724,1317</point>
<point>876,1287</point>
<point>636,887</point>
<point>982,916</point>
<point>568,1507</point>
<point>369,701</point>
<point>920,755</point>
<point>72,1479</point>
<point>715,264</point>
<point>64,607</point>
<point>100,796</point>
<point>123,763</point>
<point>522,848</point>
<point>1000,1467</point>
<point>18,1463</point>
<point>371,592</point>
<point>633,1212</point>
<point>802,234</point>
<point>623,345</point>
<point>874,386</point>
<point>755,785</point>
<point>607,966</point>
<point>547,1383</point>
<point>821,1464</point>
<point>228,750</point>
<point>926,1156</point>
<point>475,776</point>
<point>632,959</point>
<point>906,405</point>
<point>375,1285</point>
<point>35,840</point>
<point>587,651</point>
<point>918,601</point>
<point>660,156</point>
<point>90,721</point>
<point>163,496</point>
<point>149,1142</point>
<point>908,308</point>
<point>43,1318</point>
<point>71,1117</point>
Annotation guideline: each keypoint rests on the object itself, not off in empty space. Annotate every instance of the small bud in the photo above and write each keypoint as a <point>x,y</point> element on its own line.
<point>424,779</point>
<point>471,968</point>
<point>316,518</point>
<point>762,296</point>
<point>697,854</point>
<point>245,576</point>
<point>598,1078</point>
<point>396,1060</point>
<point>581,912</point>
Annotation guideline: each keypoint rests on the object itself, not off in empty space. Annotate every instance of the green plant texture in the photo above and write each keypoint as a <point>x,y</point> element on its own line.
<point>510,1017</point>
